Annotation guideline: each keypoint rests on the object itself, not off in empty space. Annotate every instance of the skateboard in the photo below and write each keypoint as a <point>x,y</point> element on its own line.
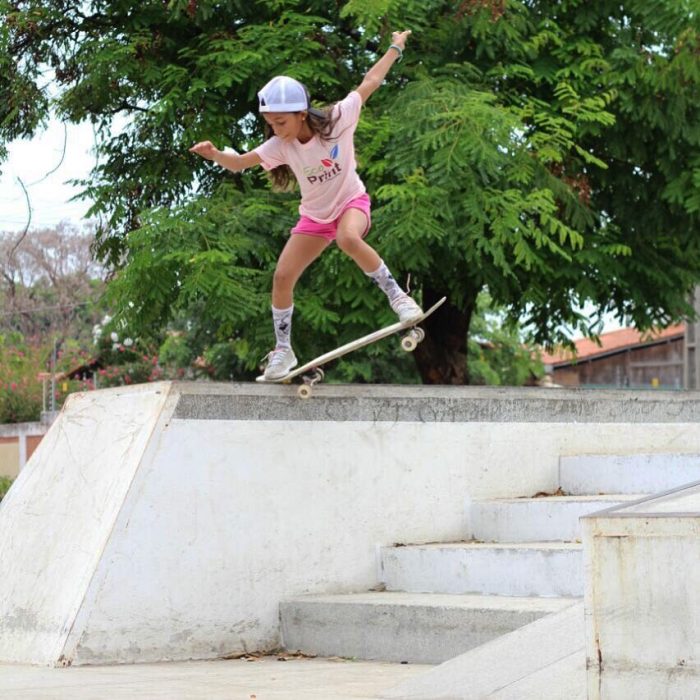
<point>313,374</point>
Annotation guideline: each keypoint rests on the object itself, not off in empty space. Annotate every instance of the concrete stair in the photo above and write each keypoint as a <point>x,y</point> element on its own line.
<point>544,519</point>
<point>411,627</point>
<point>505,569</point>
<point>521,559</point>
<point>626,474</point>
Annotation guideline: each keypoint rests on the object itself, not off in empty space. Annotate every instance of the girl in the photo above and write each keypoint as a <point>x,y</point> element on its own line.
<point>317,147</point>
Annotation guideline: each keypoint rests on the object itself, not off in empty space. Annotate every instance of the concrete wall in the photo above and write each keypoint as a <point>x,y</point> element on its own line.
<point>642,598</point>
<point>17,444</point>
<point>166,521</point>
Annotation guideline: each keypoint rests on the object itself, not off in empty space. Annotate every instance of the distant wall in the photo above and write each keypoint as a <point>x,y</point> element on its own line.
<point>17,444</point>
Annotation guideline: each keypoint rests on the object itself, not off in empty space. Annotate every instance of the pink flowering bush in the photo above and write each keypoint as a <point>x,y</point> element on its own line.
<point>108,361</point>
<point>20,389</point>
<point>124,361</point>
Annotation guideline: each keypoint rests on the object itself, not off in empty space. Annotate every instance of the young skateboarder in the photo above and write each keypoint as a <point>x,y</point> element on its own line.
<point>316,147</point>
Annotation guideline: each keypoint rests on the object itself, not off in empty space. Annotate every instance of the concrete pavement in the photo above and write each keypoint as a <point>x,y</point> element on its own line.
<point>265,678</point>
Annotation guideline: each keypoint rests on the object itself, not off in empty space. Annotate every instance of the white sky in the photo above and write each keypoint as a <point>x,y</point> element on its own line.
<point>31,161</point>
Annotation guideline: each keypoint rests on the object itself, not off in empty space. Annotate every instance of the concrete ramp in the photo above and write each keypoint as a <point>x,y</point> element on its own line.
<point>59,518</point>
<point>545,660</point>
<point>60,515</point>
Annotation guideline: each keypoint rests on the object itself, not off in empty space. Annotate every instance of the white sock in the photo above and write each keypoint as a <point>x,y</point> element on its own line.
<point>383,278</point>
<point>282,320</point>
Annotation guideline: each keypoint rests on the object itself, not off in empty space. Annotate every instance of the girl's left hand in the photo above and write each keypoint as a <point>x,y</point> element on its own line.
<point>399,38</point>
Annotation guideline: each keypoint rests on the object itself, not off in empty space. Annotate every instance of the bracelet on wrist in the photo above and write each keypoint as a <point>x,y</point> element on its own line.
<point>399,49</point>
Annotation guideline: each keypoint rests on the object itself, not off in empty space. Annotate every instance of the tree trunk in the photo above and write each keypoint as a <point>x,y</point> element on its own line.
<point>442,356</point>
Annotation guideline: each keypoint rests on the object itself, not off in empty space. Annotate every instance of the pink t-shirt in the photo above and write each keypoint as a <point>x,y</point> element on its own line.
<point>326,170</point>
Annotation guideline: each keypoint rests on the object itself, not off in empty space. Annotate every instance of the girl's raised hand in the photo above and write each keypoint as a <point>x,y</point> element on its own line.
<point>399,38</point>
<point>206,149</point>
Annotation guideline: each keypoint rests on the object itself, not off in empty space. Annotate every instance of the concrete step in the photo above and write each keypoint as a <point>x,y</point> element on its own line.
<point>641,473</point>
<point>507,569</point>
<point>550,518</point>
<point>416,628</point>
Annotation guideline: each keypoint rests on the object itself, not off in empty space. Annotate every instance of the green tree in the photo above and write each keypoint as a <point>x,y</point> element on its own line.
<point>5,483</point>
<point>500,352</point>
<point>545,150</point>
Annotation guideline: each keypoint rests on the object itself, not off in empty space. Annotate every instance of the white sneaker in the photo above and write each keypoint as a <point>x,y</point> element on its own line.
<point>406,308</point>
<point>280,362</point>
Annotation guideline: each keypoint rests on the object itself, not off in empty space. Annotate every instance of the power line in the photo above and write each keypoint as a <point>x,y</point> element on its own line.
<point>30,312</point>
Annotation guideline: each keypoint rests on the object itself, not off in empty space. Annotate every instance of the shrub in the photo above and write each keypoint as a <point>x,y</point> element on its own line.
<point>20,389</point>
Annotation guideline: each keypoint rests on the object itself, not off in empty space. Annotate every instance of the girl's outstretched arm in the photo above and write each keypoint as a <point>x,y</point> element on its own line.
<point>228,159</point>
<point>376,74</point>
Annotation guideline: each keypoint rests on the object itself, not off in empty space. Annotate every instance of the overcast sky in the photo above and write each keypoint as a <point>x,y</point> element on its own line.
<point>31,161</point>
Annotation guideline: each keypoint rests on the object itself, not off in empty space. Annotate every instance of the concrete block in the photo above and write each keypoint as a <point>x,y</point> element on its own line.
<point>417,628</point>
<point>629,473</point>
<point>259,496</point>
<point>552,518</point>
<point>642,599</point>
<point>519,569</point>
<point>544,659</point>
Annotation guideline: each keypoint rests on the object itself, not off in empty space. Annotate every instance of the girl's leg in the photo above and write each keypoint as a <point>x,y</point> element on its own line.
<point>351,228</point>
<point>299,252</point>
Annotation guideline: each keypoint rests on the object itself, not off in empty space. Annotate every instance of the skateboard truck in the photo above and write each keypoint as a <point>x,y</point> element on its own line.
<point>314,377</point>
<point>410,341</point>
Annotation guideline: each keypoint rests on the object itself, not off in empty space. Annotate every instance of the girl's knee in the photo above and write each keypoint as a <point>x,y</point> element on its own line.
<point>284,277</point>
<point>349,243</point>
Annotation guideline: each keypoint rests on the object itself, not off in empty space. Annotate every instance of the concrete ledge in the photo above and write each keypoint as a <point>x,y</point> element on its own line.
<point>433,404</point>
<point>415,628</point>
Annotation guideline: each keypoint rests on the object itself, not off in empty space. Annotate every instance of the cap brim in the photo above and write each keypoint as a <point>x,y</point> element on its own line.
<point>292,107</point>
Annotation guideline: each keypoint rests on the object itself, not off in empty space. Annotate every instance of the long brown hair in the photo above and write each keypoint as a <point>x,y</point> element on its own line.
<point>321,122</point>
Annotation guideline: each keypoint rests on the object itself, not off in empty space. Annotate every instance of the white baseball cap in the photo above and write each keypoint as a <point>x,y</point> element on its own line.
<point>283,94</point>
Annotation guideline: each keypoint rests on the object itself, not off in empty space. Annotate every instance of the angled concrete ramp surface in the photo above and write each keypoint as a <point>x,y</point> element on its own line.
<point>545,660</point>
<point>60,515</point>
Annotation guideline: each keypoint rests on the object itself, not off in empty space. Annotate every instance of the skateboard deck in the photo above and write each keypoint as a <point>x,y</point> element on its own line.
<point>408,343</point>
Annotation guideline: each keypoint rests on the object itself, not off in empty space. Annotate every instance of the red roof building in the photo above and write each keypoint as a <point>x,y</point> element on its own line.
<point>625,358</point>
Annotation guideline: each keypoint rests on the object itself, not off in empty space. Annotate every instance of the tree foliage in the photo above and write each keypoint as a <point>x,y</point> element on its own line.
<point>49,282</point>
<point>547,151</point>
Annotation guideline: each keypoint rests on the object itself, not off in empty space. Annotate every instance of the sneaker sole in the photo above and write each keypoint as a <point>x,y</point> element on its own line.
<point>283,374</point>
<point>413,317</point>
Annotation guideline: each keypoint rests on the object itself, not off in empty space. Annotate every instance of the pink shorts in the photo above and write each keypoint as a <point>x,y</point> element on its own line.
<point>310,227</point>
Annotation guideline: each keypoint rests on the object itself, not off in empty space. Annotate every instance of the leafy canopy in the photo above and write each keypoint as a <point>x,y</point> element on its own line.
<point>547,151</point>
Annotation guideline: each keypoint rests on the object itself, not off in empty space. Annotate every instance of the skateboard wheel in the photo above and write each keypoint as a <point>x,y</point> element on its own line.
<point>304,391</point>
<point>409,343</point>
